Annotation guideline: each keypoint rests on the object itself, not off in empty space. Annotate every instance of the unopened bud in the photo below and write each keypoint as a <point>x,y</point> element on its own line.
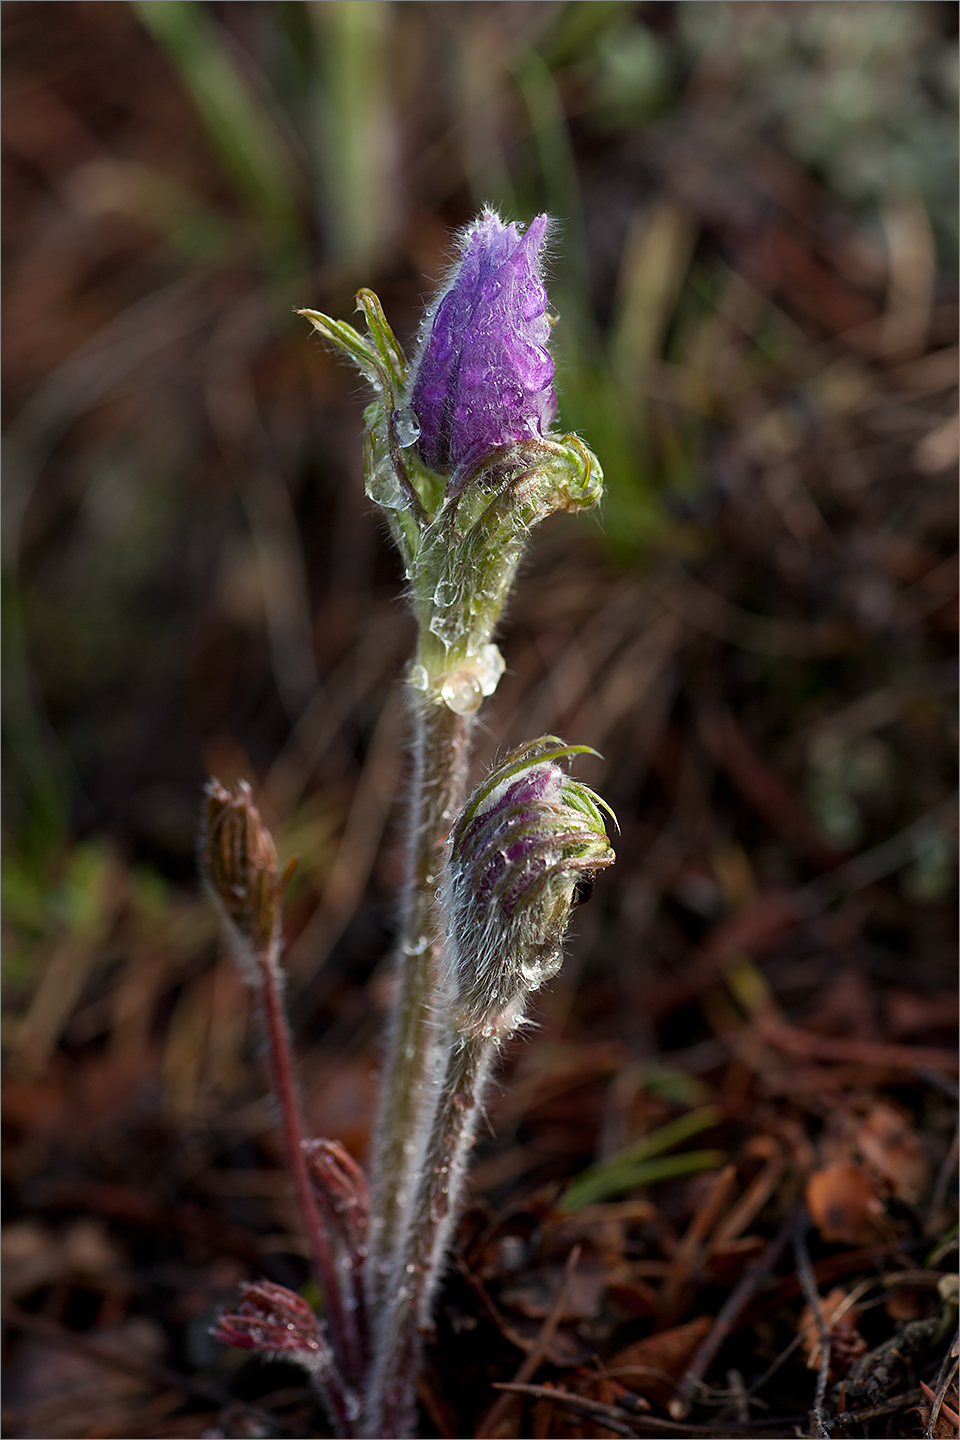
<point>240,863</point>
<point>340,1187</point>
<point>483,377</point>
<point>522,854</point>
<point>276,1322</point>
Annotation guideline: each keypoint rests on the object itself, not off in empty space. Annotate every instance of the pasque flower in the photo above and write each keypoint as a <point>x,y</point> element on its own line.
<point>460,457</point>
<point>483,377</point>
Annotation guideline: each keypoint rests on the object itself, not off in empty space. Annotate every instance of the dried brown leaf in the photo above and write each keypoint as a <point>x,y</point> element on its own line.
<point>845,1206</point>
<point>654,1365</point>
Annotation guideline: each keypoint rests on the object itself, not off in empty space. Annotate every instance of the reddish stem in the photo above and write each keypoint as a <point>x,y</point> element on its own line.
<point>343,1323</point>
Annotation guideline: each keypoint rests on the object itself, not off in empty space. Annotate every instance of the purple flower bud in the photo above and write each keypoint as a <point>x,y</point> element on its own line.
<point>340,1187</point>
<point>522,854</point>
<point>483,377</point>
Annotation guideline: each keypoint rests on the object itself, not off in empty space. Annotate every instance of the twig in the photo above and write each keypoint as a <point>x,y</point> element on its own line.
<point>830,1269</point>
<point>730,1312</point>
<point>642,1424</point>
<point>873,1412</point>
<point>841,1310</point>
<point>609,1416</point>
<point>493,1314</point>
<point>945,1376</point>
<point>938,1406</point>
<point>812,1295</point>
<point>752,1200</point>
<point>532,1362</point>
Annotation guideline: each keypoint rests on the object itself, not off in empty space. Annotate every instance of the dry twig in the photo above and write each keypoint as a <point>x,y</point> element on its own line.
<point>534,1359</point>
<point>812,1294</point>
<point>726,1320</point>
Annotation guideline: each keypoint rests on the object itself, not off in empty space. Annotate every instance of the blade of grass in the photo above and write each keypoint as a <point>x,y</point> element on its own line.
<point>239,125</point>
<point>599,1187</point>
<point>354,129</point>
<point>591,403</point>
<point>620,1171</point>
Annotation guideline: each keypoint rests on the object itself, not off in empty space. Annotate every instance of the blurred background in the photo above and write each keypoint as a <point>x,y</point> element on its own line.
<point>754,272</point>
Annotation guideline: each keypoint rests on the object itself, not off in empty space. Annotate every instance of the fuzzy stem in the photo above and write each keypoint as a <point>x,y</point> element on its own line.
<point>441,744</point>
<point>343,1322</point>
<point>405,1315</point>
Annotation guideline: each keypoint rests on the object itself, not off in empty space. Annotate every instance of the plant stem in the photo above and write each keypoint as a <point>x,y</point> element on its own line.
<point>405,1315</point>
<point>343,1322</point>
<point>440,752</point>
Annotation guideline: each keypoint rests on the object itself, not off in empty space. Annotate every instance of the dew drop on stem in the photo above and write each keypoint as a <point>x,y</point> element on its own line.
<point>406,427</point>
<point>462,693</point>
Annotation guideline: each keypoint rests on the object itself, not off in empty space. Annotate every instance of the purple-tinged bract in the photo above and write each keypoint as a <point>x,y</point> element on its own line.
<point>483,377</point>
<point>274,1320</point>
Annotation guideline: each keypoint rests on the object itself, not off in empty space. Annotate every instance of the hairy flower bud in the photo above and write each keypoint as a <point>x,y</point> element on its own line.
<point>522,854</point>
<point>272,1319</point>
<point>239,860</point>
<point>483,377</point>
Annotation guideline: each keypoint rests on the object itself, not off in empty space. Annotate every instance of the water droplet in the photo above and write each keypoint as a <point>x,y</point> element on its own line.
<point>418,678</point>
<point>383,487</point>
<point>461,692</point>
<point>444,627</point>
<point>406,427</point>
<point>445,593</point>
<point>489,666</point>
